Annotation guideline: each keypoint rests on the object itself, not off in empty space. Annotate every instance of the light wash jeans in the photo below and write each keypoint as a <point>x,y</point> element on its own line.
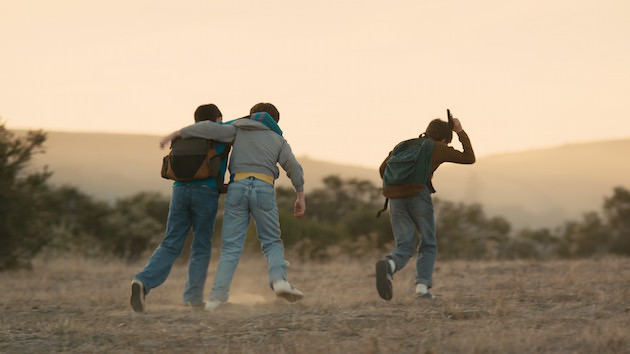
<point>244,198</point>
<point>191,205</point>
<point>409,216</point>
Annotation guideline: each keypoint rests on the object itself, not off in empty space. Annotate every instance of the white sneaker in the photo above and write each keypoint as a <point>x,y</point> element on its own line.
<point>196,306</point>
<point>423,291</point>
<point>213,304</point>
<point>284,289</point>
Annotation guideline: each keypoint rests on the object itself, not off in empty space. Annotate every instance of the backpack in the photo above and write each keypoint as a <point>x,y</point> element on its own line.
<point>408,164</point>
<point>194,159</point>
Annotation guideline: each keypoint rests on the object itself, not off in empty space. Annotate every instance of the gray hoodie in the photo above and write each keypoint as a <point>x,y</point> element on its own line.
<point>256,148</point>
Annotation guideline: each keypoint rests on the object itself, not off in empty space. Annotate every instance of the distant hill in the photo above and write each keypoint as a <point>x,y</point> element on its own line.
<point>534,188</point>
<point>543,187</point>
<point>110,166</point>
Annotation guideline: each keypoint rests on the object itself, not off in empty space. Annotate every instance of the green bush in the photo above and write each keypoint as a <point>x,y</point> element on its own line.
<point>24,218</point>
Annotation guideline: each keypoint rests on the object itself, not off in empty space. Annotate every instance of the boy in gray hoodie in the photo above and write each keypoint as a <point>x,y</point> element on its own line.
<point>258,146</point>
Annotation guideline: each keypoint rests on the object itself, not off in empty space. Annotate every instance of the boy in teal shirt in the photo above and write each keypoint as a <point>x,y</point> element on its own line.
<point>193,204</point>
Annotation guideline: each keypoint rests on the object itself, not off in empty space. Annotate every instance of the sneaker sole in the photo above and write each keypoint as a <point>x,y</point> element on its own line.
<point>213,307</point>
<point>290,297</point>
<point>427,296</point>
<point>383,284</point>
<point>136,298</point>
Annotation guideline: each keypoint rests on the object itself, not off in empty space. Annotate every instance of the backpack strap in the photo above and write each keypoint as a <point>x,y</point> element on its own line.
<point>378,215</point>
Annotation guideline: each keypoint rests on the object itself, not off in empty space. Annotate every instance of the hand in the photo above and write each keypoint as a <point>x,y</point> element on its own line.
<point>167,139</point>
<point>457,126</point>
<point>300,205</point>
<point>163,142</point>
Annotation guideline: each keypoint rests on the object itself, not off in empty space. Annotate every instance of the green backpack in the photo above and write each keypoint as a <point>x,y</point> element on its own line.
<point>409,164</point>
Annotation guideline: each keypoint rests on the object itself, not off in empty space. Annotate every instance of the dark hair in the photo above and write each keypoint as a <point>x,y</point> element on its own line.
<point>207,112</point>
<point>266,107</point>
<point>439,130</point>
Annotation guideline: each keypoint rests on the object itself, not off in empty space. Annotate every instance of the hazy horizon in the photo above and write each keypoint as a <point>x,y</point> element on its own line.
<point>341,161</point>
<point>537,187</point>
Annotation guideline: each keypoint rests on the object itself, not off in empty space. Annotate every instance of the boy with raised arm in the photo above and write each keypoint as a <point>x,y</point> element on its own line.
<point>411,207</point>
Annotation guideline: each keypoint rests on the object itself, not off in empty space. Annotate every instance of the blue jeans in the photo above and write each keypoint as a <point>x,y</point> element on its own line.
<point>245,198</point>
<point>191,205</point>
<point>408,216</point>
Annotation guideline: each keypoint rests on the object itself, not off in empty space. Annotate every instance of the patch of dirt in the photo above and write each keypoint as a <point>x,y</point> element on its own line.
<point>77,306</point>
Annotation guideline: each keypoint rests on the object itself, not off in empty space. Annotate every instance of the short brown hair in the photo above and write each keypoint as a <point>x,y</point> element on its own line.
<point>439,130</point>
<point>207,112</point>
<point>266,107</point>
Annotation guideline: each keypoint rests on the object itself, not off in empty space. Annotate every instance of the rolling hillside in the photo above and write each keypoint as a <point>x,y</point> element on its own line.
<point>110,166</point>
<point>534,188</point>
<point>541,187</point>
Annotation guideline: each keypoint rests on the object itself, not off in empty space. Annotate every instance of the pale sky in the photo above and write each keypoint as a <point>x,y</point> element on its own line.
<point>350,78</point>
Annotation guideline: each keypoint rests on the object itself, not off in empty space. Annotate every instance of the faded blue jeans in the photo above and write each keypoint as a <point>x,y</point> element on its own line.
<point>192,205</point>
<point>409,216</point>
<point>245,198</point>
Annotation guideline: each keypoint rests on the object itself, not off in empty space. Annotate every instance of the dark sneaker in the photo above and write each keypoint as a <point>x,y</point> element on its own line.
<point>384,280</point>
<point>137,295</point>
<point>422,292</point>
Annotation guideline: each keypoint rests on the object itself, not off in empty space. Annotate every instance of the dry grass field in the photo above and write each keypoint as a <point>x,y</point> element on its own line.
<point>78,306</point>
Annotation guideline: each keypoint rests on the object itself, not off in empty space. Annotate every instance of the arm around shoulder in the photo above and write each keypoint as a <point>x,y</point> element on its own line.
<point>224,133</point>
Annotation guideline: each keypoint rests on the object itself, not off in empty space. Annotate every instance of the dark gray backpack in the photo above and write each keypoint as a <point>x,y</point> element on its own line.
<point>193,159</point>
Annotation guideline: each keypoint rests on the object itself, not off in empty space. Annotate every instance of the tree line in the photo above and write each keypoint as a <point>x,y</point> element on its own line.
<point>341,219</point>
